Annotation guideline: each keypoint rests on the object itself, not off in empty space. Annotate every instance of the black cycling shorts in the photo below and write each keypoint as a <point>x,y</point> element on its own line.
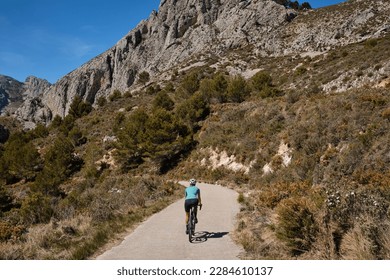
<point>190,202</point>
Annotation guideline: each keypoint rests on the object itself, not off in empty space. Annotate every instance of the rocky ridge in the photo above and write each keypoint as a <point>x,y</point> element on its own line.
<point>180,30</point>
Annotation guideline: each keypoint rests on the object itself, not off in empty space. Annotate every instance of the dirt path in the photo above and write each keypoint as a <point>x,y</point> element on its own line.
<point>162,236</point>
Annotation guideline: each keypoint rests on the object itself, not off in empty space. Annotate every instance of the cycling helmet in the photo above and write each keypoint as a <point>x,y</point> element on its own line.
<point>192,182</point>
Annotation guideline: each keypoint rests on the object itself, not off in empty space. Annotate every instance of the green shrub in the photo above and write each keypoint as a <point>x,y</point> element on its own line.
<point>166,136</point>
<point>153,89</point>
<point>241,198</point>
<point>67,124</point>
<point>101,101</point>
<point>60,163</point>
<point>20,159</point>
<point>115,95</point>
<point>262,85</point>
<point>371,43</point>
<point>237,90</point>
<point>76,136</point>
<point>144,77</point>
<point>119,120</point>
<point>214,89</point>
<point>79,108</point>
<point>128,94</point>
<point>193,110</point>
<point>163,101</point>
<point>133,133</point>
<point>56,122</point>
<point>207,89</point>
<point>191,82</point>
<point>169,87</point>
<point>160,136</point>
<point>40,131</point>
<point>269,92</point>
<point>261,80</point>
<point>36,208</point>
<point>220,85</point>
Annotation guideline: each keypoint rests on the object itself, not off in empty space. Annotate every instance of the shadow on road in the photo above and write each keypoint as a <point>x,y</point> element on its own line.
<point>203,236</point>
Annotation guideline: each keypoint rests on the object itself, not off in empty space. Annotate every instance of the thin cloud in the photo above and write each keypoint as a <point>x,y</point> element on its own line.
<point>75,47</point>
<point>14,59</point>
<point>63,44</point>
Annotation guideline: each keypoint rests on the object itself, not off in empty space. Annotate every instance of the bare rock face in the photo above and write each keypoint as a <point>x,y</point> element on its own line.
<point>185,28</point>
<point>10,89</point>
<point>28,106</point>
<point>13,93</point>
<point>34,86</point>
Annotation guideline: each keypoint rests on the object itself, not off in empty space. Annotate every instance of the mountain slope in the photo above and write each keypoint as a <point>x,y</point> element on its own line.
<point>204,30</point>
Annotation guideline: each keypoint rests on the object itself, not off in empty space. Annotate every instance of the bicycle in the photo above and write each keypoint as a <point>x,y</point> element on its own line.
<point>191,222</point>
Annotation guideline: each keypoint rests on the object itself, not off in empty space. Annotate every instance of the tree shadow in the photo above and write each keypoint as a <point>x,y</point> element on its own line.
<point>203,236</point>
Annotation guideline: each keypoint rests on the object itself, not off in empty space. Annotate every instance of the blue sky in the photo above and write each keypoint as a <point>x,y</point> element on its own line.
<point>50,38</point>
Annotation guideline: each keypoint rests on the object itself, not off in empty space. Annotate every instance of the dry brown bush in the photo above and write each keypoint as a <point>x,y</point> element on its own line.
<point>356,245</point>
<point>9,231</point>
<point>296,224</point>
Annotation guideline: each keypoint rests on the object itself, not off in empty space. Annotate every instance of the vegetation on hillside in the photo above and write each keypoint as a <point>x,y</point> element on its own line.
<point>309,135</point>
<point>325,196</point>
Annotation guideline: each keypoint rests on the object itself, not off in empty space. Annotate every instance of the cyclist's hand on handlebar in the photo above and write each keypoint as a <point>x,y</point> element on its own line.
<point>200,206</point>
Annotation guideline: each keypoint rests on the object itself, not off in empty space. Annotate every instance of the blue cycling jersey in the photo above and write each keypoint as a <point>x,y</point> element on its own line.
<point>192,192</point>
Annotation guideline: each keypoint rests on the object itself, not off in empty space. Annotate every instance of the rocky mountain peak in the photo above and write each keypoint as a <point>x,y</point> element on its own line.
<point>35,86</point>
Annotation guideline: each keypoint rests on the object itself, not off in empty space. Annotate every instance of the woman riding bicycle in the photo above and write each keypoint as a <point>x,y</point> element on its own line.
<point>192,198</point>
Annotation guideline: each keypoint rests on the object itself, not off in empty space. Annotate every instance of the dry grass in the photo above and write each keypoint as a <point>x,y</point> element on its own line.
<point>356,245</point>
<point>90,218</point>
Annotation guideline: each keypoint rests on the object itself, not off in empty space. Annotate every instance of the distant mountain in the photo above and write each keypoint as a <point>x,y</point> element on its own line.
<point>13,92</point>
<point>10,91</point>
<point>185,31</point>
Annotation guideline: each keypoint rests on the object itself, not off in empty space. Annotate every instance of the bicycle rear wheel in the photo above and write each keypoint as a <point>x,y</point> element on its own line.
<point>191,225</point>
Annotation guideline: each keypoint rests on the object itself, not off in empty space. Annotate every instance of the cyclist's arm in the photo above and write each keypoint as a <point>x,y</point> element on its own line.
<point>199,199</point>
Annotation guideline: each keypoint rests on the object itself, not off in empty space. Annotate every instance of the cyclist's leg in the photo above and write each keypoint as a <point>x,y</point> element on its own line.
<point>187,206</point>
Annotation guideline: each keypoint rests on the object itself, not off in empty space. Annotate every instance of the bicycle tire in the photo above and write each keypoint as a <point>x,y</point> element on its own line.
<point>190,226</point>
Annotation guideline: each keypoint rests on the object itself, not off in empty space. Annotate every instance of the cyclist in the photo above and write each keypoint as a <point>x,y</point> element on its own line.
<point>192,198</point>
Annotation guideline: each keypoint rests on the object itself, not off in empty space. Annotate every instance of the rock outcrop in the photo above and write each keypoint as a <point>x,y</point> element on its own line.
<point>13,93</point>
<point>180,30</point>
